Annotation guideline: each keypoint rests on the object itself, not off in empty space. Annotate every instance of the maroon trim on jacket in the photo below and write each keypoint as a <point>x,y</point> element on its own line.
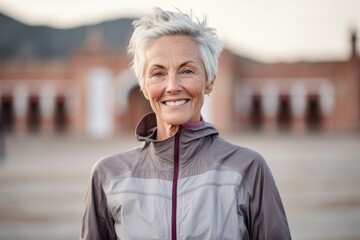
<point>175,183</point>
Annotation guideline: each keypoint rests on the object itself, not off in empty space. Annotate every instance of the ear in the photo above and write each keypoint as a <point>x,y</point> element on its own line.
<point>209,86</point>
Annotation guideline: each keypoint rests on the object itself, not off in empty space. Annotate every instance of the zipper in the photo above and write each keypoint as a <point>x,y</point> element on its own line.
<point>175,183</point>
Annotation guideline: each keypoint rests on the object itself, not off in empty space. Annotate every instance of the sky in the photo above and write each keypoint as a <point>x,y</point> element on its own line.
<point>266,30</point>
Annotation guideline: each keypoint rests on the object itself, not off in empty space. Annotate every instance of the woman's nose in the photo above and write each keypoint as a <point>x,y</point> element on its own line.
<point>173,84</point>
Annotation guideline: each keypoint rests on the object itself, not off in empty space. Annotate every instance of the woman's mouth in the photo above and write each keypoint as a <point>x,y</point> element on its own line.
<point>175,103</point>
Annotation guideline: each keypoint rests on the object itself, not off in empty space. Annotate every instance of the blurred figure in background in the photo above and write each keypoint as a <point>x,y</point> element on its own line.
<point>184,181</point>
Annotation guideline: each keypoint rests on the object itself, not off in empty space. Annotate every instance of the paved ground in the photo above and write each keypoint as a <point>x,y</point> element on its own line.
<point>43,183</point>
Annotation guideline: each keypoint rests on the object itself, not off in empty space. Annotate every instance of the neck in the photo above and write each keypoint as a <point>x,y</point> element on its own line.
<point>166,131</point>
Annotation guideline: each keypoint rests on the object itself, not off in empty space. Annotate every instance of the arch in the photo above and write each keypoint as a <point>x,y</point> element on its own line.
<point>313,113</point>
<point>126,81</point>
<point>6,113</point>
<point>131,104</point>
<point>34,114</point>
<point>138,107</point>
<point>60,116</point>
<point>256,117</point>
<point>284,116</point>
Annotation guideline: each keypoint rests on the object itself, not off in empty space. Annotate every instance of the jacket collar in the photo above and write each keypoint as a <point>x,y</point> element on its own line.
<point>191,138</point>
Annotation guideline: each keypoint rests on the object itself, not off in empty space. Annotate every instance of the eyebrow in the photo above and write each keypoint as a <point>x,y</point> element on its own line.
<point>187,62</point>
<point>157,66</point>
<point>181,65</point>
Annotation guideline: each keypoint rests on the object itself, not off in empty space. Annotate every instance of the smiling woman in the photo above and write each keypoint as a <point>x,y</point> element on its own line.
<point>185,182</point>
<point>175,82</point>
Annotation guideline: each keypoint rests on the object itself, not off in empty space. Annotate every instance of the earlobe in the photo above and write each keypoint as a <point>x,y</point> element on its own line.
<point>209,87</point>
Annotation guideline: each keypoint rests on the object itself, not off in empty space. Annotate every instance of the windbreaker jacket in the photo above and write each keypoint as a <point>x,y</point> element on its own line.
<point>193,185</point>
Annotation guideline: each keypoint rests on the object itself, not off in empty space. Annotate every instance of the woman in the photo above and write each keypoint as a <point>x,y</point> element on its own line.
<point>184,182</point>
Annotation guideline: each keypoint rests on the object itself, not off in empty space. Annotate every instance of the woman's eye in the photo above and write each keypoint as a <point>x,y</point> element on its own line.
<point>157,74</point>
<point>187,71</point>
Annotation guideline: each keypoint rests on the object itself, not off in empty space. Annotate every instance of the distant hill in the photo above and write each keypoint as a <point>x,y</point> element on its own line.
<point>22,41</point>
<point>19,41</point>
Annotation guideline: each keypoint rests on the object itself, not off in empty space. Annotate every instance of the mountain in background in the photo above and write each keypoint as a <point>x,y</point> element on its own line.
<point>22,41</point>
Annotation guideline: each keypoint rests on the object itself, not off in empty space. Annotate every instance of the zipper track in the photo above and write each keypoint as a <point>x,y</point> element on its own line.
<point>175,183</point>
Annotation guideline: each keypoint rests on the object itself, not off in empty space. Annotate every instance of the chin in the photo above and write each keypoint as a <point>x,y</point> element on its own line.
<point>177,120</point>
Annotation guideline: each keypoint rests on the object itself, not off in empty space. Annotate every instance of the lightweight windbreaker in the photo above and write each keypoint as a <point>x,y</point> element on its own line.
<point>193,185</point>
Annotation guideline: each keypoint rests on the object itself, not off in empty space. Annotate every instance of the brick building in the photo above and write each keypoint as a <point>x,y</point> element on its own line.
<point>94,92</point>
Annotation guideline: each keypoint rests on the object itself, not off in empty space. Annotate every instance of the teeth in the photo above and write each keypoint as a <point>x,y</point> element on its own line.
<point>175,103</point>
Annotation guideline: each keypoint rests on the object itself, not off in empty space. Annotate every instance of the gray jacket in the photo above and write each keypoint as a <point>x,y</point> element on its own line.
<point>193,185</point>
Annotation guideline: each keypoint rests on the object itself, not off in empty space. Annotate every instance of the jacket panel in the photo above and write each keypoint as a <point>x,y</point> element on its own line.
<point>141,207</point>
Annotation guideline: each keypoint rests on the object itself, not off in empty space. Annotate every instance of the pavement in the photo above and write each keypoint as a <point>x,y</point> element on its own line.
<point>43,181</point>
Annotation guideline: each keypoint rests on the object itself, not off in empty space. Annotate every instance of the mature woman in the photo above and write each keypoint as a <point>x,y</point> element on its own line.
<point>184,182</point>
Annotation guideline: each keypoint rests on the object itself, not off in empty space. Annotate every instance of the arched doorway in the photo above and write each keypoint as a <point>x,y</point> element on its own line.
<point>256,113</point>
<point>34,119</point>
<point>60,115</point>
<point>138,106</point>
<point>131,104</point>
<point>313,114</point>
<point>284,113</point>
<point>6,114</point>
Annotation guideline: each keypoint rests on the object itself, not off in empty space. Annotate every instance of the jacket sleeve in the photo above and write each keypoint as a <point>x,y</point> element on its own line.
<point>264,212</point>
<point>97,222</point>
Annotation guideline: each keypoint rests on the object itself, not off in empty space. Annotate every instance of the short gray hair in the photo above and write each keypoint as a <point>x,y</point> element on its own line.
<point>162,23</point>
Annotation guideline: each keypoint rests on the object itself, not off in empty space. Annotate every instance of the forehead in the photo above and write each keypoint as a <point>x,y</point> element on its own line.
<point>176,49</point>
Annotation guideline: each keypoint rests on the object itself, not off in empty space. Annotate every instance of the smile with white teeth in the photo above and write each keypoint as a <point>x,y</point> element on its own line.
<point>175,103</point>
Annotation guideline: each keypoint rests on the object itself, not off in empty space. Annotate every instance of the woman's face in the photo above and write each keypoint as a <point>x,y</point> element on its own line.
<point>175,80</point>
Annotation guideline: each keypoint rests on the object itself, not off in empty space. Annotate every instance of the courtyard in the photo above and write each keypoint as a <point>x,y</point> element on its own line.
<point>43,181</point>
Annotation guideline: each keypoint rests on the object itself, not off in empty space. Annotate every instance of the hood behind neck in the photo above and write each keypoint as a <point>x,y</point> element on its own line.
<point>147,127</point>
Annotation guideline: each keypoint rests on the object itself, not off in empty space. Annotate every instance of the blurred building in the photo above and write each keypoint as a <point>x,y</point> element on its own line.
<point>92,91</point>
<point>295,97</point>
